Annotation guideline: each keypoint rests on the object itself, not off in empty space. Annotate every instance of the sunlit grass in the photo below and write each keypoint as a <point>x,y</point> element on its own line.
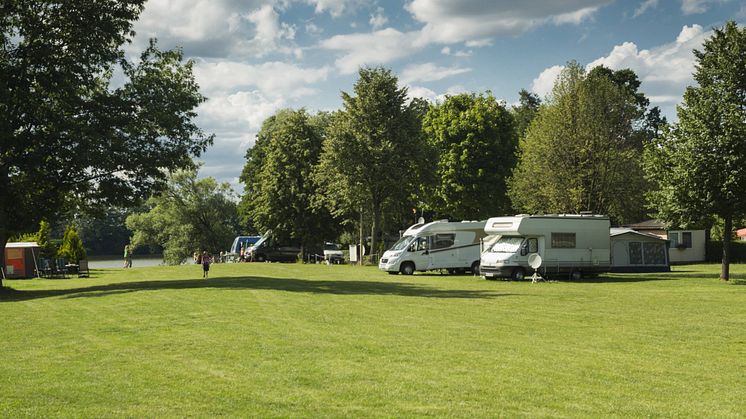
<point>315,340</point>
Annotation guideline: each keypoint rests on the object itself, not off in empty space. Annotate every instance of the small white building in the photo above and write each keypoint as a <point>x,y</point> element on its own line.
<point>633,251</point>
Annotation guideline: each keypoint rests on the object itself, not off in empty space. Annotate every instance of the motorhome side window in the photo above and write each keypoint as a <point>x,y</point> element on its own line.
<point>441,241</point>
<point>421,243</point>
<point>533,245</point>
<point>563,240</point>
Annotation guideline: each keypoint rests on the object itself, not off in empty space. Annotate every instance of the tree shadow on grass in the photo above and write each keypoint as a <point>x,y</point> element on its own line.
<point>253,283</point>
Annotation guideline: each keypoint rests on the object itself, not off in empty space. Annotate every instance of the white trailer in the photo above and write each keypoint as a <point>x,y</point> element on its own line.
<point>453,246</point>
<point>570,245</point>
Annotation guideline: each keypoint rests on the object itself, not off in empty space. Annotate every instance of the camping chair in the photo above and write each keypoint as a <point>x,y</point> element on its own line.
<point>45,268</point>
<point>60,269</point>
<point>83,271</point>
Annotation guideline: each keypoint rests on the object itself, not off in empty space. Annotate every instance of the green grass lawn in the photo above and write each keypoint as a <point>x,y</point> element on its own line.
<point>315,340</point>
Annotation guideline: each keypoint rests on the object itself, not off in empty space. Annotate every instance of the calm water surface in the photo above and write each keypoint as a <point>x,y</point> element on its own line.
<point>101,262</point>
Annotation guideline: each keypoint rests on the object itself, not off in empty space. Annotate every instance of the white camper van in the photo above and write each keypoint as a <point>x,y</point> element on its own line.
<point>453,246</point>
<point>570,245</point>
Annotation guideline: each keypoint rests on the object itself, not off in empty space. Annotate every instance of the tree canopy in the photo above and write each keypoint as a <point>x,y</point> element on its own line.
<point>476,141</point>
<point>279,191</point>
<point>699,165</point>
<point>69,137</point>
<point>577,154</point>
<point>372,156</point>
<point>189,215</point>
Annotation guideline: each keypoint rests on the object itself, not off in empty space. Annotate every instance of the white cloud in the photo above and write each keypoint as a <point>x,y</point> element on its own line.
<point>460,53</point>
<point>693,7</point>
<point>269,31</point>
<point>644,7</point>
<point>429,72</point>
<point>272,79</point>
<point>335,7</point>
<point>312,29</point>
<point>378,19</point>
<point>379,47</point>
<point>422,93</point>
<point>543,84</point>
<point>449,21</point>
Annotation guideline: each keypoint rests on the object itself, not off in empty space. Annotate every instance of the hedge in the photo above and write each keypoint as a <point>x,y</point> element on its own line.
<point>737,251</point>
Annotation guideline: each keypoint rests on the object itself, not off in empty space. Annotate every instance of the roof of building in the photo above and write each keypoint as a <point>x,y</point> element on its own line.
<point>741,232</point>
<point>647,225</point>
<point>16,245</point>
<point>618,231</point>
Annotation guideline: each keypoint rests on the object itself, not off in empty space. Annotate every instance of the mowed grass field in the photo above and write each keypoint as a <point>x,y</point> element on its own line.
<point>298,340</point>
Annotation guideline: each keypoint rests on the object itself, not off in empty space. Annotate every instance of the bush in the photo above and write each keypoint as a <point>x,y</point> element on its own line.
<point>72,246</point>
<point>737,251</point>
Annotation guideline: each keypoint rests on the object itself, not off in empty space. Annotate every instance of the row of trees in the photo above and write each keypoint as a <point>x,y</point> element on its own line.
<point>382,154</point>
<point>594,145</point>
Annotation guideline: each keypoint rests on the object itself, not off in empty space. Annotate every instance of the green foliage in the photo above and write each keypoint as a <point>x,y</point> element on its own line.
<point>70,136</point>
<point>476,143</point>
<point>714,251</point>
<point>190,215</point>
<point>526,111</point>
<point>279,189</point>
<point>72,247</point>
<point>699,165</point>
<point>43,239</point>
<point>374,157</point>
<point>104,234</point>
<point>577,154</point>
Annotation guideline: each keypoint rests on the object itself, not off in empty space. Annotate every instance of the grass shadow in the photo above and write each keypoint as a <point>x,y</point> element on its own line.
<point>253,283</point>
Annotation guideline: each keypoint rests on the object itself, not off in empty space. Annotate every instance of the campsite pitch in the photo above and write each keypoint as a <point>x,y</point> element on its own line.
<point>313,340</point>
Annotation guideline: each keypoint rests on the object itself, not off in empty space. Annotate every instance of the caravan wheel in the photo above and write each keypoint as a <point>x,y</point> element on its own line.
<point>576,275</point>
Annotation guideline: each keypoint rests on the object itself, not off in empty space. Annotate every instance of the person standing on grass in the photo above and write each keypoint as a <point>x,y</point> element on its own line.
<point>205,264</point>
<point>127,256</point>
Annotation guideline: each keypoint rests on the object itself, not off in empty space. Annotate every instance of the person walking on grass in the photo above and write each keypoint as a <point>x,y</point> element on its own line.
<point>127,256</point>
<point>205,264</point>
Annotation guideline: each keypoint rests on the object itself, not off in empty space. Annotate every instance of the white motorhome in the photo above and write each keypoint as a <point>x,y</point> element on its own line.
<point>570,245</point>
<point>453,246</point>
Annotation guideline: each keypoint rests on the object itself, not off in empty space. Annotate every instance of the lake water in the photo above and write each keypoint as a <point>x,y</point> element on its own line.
<point>101,262</point>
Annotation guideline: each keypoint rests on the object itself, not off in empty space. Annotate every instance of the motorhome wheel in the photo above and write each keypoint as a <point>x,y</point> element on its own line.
<point>475,268</point>
<point>576,275</point>
<point>407,268</point>
<point>518,274</point>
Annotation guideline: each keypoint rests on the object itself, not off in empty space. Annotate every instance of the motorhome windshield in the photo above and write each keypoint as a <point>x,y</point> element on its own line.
<point>506,244</point>
<point>402,243</point>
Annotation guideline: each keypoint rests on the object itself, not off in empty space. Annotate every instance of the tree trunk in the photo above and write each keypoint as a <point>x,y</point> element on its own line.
<point>3,241</point>
<point>375,227</point>
<point>362,241</point>
<point>725,270</point>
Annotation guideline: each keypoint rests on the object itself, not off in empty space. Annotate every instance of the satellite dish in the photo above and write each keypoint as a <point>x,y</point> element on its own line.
<point>421,220</point>
<point>534,261</point>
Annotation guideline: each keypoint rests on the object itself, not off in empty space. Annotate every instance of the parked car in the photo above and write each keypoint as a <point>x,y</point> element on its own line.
<point>269,249</point>
<point>333,253</point>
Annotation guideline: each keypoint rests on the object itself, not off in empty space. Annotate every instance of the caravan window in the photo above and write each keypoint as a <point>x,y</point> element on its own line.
<point>563,240</point>
<point>506,244</point>
<point>442,241</point>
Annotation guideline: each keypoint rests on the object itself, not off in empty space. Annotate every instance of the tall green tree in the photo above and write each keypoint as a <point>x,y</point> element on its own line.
<point>372,157</point>
<point>525,112</point>
<point>189,215</point>
<point>72,247</point>
<point>699,164</point>
<point>476,143</point>
<point>577,154</point>
<point>280,191</point>
<point>68,135</point>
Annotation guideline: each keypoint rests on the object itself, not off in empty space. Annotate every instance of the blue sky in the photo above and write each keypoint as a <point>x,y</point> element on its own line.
<point>253,58</point>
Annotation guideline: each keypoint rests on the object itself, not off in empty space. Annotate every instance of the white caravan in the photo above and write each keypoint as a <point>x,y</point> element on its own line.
<point>453,246</point>
<point>570,245</point>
